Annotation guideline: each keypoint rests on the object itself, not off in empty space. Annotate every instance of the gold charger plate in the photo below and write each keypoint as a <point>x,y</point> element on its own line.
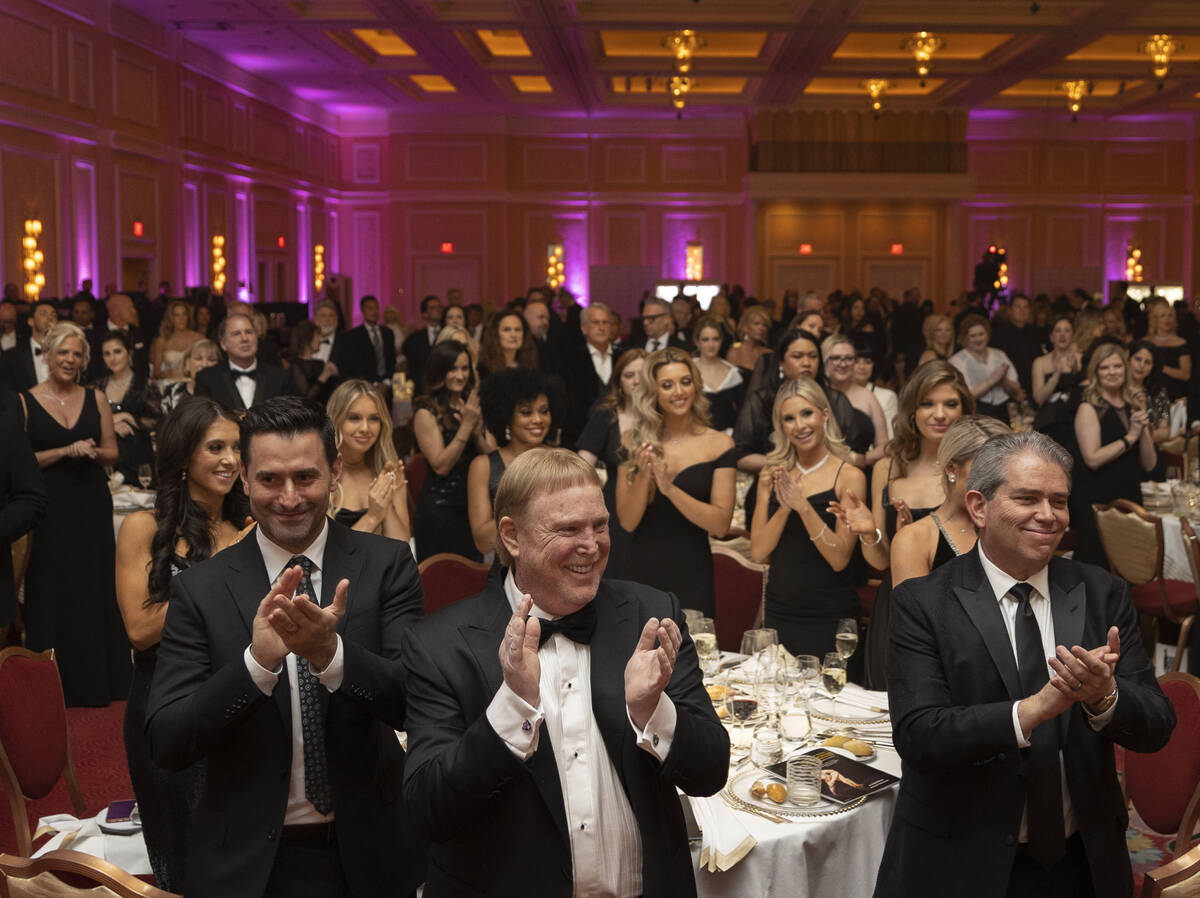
<point>737,795</point>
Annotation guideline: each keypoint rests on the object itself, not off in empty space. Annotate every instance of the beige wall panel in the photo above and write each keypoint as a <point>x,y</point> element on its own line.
<point>135,90</point>
<point>28,57</point>
<point>1068,166</point>
<point>464,161</point>
<point>625,163</point>
<point>625,237</point>
<point>561,164</point>
<point>1001,167</point>
<point>693,165</point>
<point>81,72</point>
<point>216,119</point>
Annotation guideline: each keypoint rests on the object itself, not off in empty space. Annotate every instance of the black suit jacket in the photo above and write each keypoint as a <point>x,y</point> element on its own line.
<point>203,704</point>
<point>584,387</point>
<point>416,349</point>
<point>952,681</point>
<point>217,382</point>
<point>361,359</point>
<point>22,497</point>
<point>497,824</point>
<point>16,367</point>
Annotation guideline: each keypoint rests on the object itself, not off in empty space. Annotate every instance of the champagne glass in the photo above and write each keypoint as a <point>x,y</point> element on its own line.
<point>704,635</point>
<point>833,676</point>
<point>846,637</point>
<point>145,475</point>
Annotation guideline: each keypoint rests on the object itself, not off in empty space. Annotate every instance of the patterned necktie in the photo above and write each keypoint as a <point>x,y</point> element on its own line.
<point>312,717</point>
<point>1043,793</point>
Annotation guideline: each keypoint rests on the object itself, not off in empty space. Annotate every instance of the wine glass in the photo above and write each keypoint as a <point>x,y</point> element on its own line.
<point>145,475</point>
<point>833,676</point>
<point>773,688</point>
<point>809,667</point>
<point>740,707</point>
<point>754,641</point>
<point>704,635</point>
<point>846,637</point>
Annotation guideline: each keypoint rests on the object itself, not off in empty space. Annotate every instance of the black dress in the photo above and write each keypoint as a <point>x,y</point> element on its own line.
<point>1168,357</point>
<point>134,450</point>
<point>167,800</point>
<point>305,374</point>
<point>1121,478</point>
<point>669,552</point>
<point>440,523</point>
<point>70,588</point>
<point>946,550</point>
<point>349,516</point>
<point>602,437</point>
<point>725,401</point>
<point>1056,418</point>
<point>805,597</point>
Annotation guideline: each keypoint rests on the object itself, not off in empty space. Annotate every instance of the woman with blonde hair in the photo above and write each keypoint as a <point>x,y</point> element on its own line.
<point>1174,355</point>
<point>676,485</point>
<point>753,328</point>
<point>203,354</point>
<point>938,331</point>
<point>808,548</point>
<point>176,336</point>
<point>1116,446</point>
<point>371,496</point>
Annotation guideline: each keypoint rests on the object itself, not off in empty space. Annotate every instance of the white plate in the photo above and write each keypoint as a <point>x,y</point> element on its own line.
<point>823,707</point>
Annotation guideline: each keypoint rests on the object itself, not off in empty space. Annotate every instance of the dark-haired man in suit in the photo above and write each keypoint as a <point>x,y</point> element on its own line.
<point>1009,788</point>
<point>242,381</point>
<point>372,354</point>
<point>279,665</point>
<point>417,345</point>
<point>24,366</point>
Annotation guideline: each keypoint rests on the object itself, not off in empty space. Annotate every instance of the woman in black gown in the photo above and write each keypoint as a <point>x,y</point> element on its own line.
<point>811,586</point>
<point>677,483</point>
<point>197,512</point>
<point>601,442</point>
<point>449,430</point>
<point>311,377</point>
<point>131,400</point>
<point>724,384</point>
<point>70,603</point>
<point>1116,447</point>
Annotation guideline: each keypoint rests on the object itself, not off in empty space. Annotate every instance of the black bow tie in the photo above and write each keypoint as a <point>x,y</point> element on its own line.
<point>251,373</point>
<point>37,350</point>
<point>327,341</point>
<point>577,626</point>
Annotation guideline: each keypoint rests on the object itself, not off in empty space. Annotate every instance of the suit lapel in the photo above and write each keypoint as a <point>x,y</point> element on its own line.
<point>975,596</point>
<point>342,562</point>
<point>235,397</point>
<point>617,632</point>
<point>1068,607</point>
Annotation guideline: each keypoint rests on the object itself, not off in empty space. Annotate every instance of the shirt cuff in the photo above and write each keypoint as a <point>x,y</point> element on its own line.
<point>331,677</point>
<point>1099,721</point>
<point>656,738</point>
<point>1022,742</point>
<point>264,679</point>
<point>515,721</point>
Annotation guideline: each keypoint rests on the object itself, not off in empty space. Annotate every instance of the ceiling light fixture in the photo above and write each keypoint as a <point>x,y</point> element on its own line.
<point>922,46</point>
<point>683,44</point>
<point>1160,48</point>
<point>1075,91</point>
<point>876,88</point>
<point>679,87</point>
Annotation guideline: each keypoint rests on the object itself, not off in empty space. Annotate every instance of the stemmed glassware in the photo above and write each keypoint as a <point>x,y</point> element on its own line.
<point>145,474</point>
<point>846,637</point>
<point>809,669</point>
<point>833,676</point>
<point>740,708</point>
<point>704,635</point>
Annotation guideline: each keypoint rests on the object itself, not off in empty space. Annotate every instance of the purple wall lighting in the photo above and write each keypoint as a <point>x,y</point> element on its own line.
<point>679,229</point>
<point>575,256</point>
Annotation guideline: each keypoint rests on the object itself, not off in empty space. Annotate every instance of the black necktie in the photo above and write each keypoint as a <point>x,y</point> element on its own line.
<point>577,626</point>
<point>1043,792</point>
<point>312,717</point>
<point>654,345</point>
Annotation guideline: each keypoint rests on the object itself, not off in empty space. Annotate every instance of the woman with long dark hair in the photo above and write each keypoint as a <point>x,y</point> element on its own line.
<point>197,513</point>
<point>506,344</point>
<point>131,400</point>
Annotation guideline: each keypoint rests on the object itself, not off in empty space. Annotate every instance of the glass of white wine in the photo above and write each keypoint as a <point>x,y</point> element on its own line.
<point>846,637</point>
<point>833,676</point>
<point>704,635</point>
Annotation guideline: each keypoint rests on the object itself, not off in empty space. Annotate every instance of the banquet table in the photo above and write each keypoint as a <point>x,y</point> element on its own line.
<point>825,857</point>
<point>1175,560</point>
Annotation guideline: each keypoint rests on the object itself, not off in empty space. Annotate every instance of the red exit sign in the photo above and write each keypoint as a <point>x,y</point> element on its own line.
<point>897,249</point>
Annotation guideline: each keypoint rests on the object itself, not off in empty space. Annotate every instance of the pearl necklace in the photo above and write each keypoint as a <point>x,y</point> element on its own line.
<point>807,471</point>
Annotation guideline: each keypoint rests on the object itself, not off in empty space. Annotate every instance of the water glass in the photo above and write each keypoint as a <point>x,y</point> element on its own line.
<point>804,780</point>
<point>766,748</point>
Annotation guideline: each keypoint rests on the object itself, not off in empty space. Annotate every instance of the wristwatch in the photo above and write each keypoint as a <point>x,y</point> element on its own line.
<point>1125,442</point>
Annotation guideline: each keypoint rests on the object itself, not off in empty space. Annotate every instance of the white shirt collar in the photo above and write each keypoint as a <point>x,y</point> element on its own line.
<point>514,596</point>
<point>1001,582</point>
<point>276,558</point>
<point>598,354</point>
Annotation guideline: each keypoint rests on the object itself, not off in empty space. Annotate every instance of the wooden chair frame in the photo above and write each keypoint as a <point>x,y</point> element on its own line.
<point>1180,869</point>
<point>8,776</point>
<point>98,872</point>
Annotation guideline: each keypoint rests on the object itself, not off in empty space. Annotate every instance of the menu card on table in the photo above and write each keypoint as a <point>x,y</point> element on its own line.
<point>842,780</point>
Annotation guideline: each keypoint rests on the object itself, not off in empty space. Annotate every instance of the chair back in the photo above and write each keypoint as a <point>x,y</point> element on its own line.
<point>35,750</point>
<point>58,874</point>
<point>414,473</point>
<point>1164,786</point>
<point>1191,546</point>
<point>447,578</point>
<point>739,585</point>
<point>1179,878</point>
<point>1132,539</point>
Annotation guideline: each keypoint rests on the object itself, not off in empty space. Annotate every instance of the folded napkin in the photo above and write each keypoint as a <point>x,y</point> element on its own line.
<point>128,497</point>
<point>724,840</point>
<point>127,852</point>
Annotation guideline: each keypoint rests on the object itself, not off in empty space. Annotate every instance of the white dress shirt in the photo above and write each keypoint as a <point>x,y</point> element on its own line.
<point>299,808</point>
<point>606,844</point>
<point>244,385</point>
<point>602,362</point>
<point>1039,601</point>
<point>326,346</point>
<point>653,344</point>
<point>8,341</point>
<point>40,366</point>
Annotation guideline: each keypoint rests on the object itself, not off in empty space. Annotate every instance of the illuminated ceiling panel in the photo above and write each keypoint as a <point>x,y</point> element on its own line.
<point>886,45</point>
<point>507,42</point>
<point>897,87</point>
<point>433,84</point>
<point>384,41</point>
<point>700,85</point>
<point>1049,87</point>
<point>718,44</point>
<point>532,84</point>
<point>1124,48</point>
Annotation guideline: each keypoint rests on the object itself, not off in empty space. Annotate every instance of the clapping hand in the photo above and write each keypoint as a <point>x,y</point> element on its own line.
<point>855,514</point>
<point>904,515</point>
<point>1137,423</point>
<point>266,645</point>
<point>789,491</point>
<point>519,653</point>
<point>303,626</point>
<point>472,415</point>
<point>1086,676</point>
<point>649,459</point>
<point>82,449</point>
<point>649,668</point>
<point>379,496</point>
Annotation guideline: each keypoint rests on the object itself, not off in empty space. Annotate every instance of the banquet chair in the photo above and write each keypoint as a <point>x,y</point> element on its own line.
<point>1178,878</point>
<point>447,578</point>
<point>35,750</point>
<point>740,586</point>
<point>1164,786</point>
<point>59,874</point>
<point>414,473</point>
<point>1133,541</point>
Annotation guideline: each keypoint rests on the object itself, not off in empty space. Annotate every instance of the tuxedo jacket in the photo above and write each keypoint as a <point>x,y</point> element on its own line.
<point>416,348</point>
<point>16,367</point>
<point>361,359</point>
<point>952,681</point>
<point>203,704</point>
<point>22,497</point>
<point>217,383</point>
<point>584,387</point>
<point>498,824</point>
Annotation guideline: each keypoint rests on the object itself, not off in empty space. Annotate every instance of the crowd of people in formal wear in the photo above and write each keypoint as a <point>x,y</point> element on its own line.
<point>844,427</point>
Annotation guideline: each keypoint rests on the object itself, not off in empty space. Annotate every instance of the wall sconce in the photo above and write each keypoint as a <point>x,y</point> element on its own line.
<point>679,87</point>
<point>694,261</point>
<point>218,264</point>
<point>876,88</point>
<point>922,46</point>
<point>32,259</point>
<point>319,266</point>
<point>1075,91</point>
<point>1160,48</point>
<point>1133,263</point>
<point>554,265</point>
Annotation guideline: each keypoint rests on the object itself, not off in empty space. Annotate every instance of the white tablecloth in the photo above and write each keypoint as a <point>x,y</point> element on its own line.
<point>834,857</point>
<point>1175,560</point>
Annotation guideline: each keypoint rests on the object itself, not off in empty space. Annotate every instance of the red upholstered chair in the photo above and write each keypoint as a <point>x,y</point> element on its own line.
<point>448,577</point>
<point>65,873</point>
<point>1133,541</point>
<point>35,751</point>
<point>740,585</point>
<point>1164,786</point>
<point>414,473</point>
